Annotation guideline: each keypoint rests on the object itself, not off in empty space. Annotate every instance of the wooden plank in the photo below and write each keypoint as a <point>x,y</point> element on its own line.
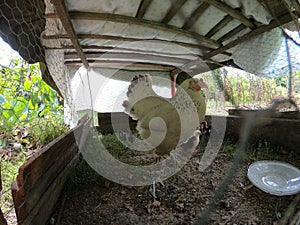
<point>95,48</point>
<point>122,64</point>
<point>126,56</point>
<point>195,15</point>
<point>130,39</point>
<point>32,170</point>
<point>219,26</point>
<point>104,121</point>
<point>296,5</point>
<point>273,114</point>
<point>275,8</point>
<point>43,210</point>
<point>62,12</point>
<point>36,172</point>
<point>232,33</point>
<point>34,194</point>
<point>18,195</point>
<point>265,128</point>
<point>29,173</point>
<point>32,173</point>
<point>144,23</point>
<point>176,6</point>
<point>232,12</point>
<point>142,8</point>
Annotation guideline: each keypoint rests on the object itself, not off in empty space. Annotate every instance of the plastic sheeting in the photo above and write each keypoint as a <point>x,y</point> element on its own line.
<point>269,54</point>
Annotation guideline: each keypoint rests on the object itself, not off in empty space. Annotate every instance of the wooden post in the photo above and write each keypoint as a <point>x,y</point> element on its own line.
<point>290,78</point>
<point>2,219</point>
<point>172,85</point>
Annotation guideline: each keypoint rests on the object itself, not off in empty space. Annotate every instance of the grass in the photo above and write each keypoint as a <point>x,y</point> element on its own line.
<point>263,150</point>
<point>112,144</point>
<point>9,170</point>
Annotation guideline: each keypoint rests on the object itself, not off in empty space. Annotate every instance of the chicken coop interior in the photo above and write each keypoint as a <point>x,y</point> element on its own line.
<point>123,68</point>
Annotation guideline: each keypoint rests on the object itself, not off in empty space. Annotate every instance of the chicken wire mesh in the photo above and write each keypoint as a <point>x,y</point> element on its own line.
<point>32,113</point>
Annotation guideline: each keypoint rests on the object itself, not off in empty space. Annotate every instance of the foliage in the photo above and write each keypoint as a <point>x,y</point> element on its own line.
<point>10,163</point>
<point>48,128</point>
<point>24,95</point>
<point>244,90</point>
<point>112,144</point>
<point>264,150</point>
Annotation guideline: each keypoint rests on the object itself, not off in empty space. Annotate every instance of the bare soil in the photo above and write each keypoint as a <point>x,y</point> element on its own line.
<point>90,199</point>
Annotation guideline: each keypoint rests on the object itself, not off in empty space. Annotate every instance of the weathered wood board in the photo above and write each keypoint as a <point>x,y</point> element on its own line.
<point>119,118</point>
<point>282,129</point>
<point>41,179</point>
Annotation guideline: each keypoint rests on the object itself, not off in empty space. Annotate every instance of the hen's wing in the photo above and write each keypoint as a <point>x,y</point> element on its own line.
<point>154,113</point>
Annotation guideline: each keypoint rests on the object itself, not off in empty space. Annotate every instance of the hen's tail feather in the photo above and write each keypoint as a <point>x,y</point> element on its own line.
<point>139,88</point>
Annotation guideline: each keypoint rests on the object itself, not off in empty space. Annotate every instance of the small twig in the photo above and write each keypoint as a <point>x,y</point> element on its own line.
<point>229,218</point>
<point>248,187</point>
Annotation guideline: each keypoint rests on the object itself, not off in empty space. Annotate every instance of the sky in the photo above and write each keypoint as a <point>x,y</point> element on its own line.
<point>6,53</point>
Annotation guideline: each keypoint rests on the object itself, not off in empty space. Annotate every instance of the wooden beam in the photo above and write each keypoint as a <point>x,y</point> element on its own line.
<point>128,56</point>
<point>232,33</point>
<point>260,30</point>
<point>129,39</point>
<point>195,15</point>
<point>62,11</point>
<point>176,6</point>
<point>121,64</point>
<point>131,50</point>
<point>219,26</point>
<point>110,49</point>
<point>296,5</point>
<point>142,8</point>
<point>232,12</point>
<point>144,23</point>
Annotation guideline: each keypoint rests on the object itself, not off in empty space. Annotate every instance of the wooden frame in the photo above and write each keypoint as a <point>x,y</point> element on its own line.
<point>41,179</point>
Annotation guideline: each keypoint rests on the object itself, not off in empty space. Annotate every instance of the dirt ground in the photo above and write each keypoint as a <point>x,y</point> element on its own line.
<point>90,199</point>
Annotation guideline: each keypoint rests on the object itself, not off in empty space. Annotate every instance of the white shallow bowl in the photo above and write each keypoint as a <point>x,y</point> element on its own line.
<point>277,178</point>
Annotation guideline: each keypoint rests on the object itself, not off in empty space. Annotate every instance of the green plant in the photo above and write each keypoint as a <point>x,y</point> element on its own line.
<point>24,95</point>
<point>112,144</point>
<point>9,165</point>
<point>46,129</point>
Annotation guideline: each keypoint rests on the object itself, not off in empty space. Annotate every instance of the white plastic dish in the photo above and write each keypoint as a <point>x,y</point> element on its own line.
<point>274,177</point>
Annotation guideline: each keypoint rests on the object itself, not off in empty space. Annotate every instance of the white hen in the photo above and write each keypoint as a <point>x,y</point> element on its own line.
<point>165,123</point>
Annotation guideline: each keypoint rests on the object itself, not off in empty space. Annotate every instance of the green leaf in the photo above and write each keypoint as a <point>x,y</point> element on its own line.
<point>23,117</point>
<point>27,85</point>
<point>19,108</point>
<point>30,105</point>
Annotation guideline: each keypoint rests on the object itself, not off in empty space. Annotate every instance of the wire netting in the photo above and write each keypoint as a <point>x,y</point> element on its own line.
<point>32,113</point>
